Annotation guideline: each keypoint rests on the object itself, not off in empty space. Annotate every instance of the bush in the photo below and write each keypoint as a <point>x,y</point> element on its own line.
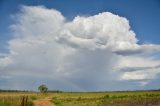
<point>33,97</point>
<point>55,100</point>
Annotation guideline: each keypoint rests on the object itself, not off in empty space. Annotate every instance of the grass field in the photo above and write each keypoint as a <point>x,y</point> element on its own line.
<point>15,98</point>
<point>142,98</point>
<point>137,98</point>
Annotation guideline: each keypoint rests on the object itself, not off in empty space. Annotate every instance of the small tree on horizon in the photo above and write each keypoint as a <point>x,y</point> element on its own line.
<point>43,88</point>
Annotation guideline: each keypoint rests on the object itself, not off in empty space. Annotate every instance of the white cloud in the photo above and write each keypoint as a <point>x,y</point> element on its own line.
<point>102,31</point>
<point>5,61</point>
<point>85,52</point>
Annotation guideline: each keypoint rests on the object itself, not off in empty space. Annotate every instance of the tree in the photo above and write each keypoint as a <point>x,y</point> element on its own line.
<point>43,88</point>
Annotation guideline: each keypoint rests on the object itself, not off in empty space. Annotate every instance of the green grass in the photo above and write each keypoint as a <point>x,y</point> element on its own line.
<point>77,99</point>
<point>139,98</point>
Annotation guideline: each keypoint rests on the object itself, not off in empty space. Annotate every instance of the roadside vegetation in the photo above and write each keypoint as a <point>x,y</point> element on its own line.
<point>17,98</point>
<point>134,98</point>
<point>59,98</point>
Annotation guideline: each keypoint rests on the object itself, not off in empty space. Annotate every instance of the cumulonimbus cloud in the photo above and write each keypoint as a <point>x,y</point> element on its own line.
<point>46,45</point>
<point>103,31</point>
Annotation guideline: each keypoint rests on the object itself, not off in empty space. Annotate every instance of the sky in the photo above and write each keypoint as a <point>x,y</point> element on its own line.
<point>80,45</point>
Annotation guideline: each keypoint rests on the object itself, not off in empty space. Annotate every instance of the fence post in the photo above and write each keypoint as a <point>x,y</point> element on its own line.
<point>22,103</point>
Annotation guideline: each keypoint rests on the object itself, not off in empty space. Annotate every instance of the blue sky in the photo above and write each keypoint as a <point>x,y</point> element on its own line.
<point>144,20</point>
<point>143,15</point>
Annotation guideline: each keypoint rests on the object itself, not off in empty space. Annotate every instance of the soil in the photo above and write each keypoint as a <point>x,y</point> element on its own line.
<point>43,102</point>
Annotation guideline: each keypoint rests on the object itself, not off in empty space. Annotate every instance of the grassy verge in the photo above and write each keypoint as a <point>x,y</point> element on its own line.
<point>15,99</point>
<point>108,99</point>
<point>141,98</point>
<point>132,100</point>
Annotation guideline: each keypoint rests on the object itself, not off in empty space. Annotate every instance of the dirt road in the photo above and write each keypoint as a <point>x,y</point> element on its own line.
<point>43,102</point>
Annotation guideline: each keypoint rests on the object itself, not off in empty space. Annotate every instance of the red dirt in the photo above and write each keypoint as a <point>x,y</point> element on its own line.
<point>43,102</point>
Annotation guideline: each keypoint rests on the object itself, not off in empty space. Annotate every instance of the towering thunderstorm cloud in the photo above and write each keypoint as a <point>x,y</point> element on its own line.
<point>99,52</point>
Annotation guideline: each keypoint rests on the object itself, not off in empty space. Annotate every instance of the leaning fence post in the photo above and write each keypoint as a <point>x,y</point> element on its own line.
<point>22,103</point>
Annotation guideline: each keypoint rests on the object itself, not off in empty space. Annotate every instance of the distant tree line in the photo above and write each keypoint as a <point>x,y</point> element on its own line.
<point>1,90</point>
<point>55,91</point>
<point>49,91</point>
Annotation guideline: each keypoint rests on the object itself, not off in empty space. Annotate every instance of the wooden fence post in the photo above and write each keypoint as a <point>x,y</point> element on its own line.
<point>24,101</point>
